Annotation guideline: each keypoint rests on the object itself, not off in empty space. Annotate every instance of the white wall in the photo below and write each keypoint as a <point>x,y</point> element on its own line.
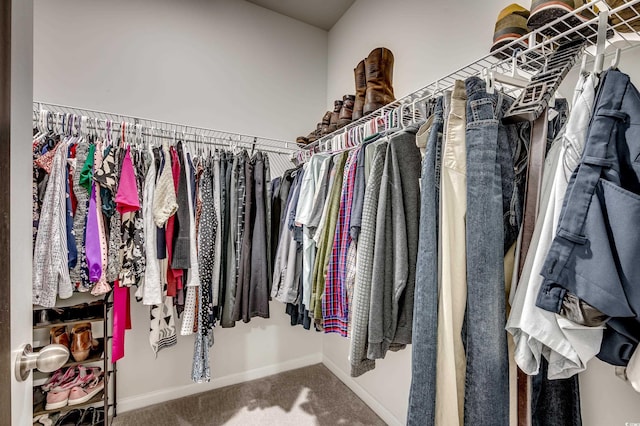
<point>222,64</point>
<point>430,40</point>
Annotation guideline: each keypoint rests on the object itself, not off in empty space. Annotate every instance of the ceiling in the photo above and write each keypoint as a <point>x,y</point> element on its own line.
<point>319,13</point>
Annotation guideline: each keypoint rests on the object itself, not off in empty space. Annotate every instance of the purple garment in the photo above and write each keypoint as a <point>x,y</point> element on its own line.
<point>92,243</point>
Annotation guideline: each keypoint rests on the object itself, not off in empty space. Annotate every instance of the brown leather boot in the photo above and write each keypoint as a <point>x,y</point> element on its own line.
<point>326,120</point>
<point>335,116</point>
<point>379,75</point>
<point>59,335</point>
<point>82,341</point>
<point>361,88</point>
<point>346,112</point>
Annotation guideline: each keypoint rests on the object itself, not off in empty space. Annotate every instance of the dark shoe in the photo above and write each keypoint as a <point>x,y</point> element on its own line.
<point>92,416</point>
<point>335,116</point>
<point>379,76</point>
<point>47,316</point>
<point>545,11</point>
<point>510,26</point>
<point>76,312</point>
<point>346,112</point>
<point>71,418</point>
<point>59,335</point>
<point>361,89</point>
<point>302,140</point>
<point>95,309</point>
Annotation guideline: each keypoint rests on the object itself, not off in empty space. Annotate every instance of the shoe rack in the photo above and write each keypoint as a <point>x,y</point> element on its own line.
<point>80,309</point>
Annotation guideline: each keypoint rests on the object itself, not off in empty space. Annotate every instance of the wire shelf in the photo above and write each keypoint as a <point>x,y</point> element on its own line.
<point>164,129</point>
<point>529,52</point>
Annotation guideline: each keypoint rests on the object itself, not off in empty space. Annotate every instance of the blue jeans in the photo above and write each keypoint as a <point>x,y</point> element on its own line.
<point>494,215</point>
<point>595,253</point>
<point>422,397</point>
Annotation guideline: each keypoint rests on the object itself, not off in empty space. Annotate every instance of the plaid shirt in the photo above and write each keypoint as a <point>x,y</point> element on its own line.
<point>335,310</point>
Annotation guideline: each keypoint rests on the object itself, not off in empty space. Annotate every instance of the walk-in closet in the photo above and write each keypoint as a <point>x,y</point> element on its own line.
<point>262,212</point>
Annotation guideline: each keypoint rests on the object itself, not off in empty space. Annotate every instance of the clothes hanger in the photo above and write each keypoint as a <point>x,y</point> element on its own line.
<point>616,59</point>
<point>598,63</point>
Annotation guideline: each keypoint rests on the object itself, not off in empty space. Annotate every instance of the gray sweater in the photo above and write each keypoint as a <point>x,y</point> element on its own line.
<point>396,246</point>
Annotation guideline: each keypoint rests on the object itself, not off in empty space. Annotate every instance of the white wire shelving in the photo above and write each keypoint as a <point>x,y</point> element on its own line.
<point>529,52</point>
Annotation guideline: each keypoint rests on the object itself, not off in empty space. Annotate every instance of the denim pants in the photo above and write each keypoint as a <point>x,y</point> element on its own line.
<point>595,253</point>
<point>422,397</point>
<point>494,214</point>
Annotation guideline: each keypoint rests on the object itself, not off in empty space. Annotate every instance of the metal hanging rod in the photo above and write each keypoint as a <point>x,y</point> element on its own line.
<point>165,129</point>
<point>530,52</point>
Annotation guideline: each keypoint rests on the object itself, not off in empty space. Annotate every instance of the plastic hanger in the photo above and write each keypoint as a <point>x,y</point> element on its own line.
<point>603,16</point>
<point>616,59</point>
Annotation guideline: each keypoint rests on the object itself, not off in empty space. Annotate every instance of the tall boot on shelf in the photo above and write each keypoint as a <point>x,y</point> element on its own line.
<point>379,76</point>
<point>335,116</point>
<point>361,88</point>
<point>346,112</point>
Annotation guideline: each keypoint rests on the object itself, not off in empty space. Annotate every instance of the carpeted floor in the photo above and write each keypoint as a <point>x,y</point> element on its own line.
<point>306,396</point>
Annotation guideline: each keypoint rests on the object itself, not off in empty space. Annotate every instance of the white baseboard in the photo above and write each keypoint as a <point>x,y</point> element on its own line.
<point>167,394</point>
<point>362,393</point>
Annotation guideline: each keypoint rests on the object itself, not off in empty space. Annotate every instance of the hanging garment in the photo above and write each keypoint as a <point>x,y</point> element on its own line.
<point>152,284</point>
<point>107,175</point>
<point>241,306</point>
<point>396,246</point>
<point>258,297</point>
<point>324,237</point>
<point>207,237</point>
<point>101,287</point>
<point>80,273</point>
<point>567,345</point>
<point>359,362</point>
<point>599,209</point>
<point>215,196</point>
<point>422,396</point>
<point>452,292</point>
<point>493,200</point>
<point>308,191</point>
<point>50,261</point>
<point>193,274</point>
<point>335,308</point>
<point>287,267</point>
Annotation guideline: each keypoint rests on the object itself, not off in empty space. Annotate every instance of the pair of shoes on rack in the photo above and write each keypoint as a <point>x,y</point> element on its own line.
<point>91,416</point>
<point>516,21</point>
<point>73,386</point>
<point>69,313</point>
<point>374,82</point>
<point>374,89</point>
<point>80,341</point>
<point>331,121</point>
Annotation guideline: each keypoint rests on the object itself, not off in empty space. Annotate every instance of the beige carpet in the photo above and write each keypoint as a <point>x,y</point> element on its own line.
<point>306,396</point>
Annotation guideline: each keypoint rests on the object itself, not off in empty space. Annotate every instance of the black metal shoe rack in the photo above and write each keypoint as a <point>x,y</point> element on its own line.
<point>108,397</point>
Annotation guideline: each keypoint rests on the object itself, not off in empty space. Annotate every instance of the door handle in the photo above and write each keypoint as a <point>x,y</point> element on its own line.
<point>48,359</point>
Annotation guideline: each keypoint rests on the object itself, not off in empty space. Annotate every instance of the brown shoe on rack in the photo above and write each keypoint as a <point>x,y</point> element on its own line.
<point>346,112</point>
<point>379,76</point>
<point>302,140</point>
<point>311,137</point>
<point>59,335</point>
<point>361,89</point>
<point>326,120</point>
<point>335,116</point>
<point>82,341</point>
